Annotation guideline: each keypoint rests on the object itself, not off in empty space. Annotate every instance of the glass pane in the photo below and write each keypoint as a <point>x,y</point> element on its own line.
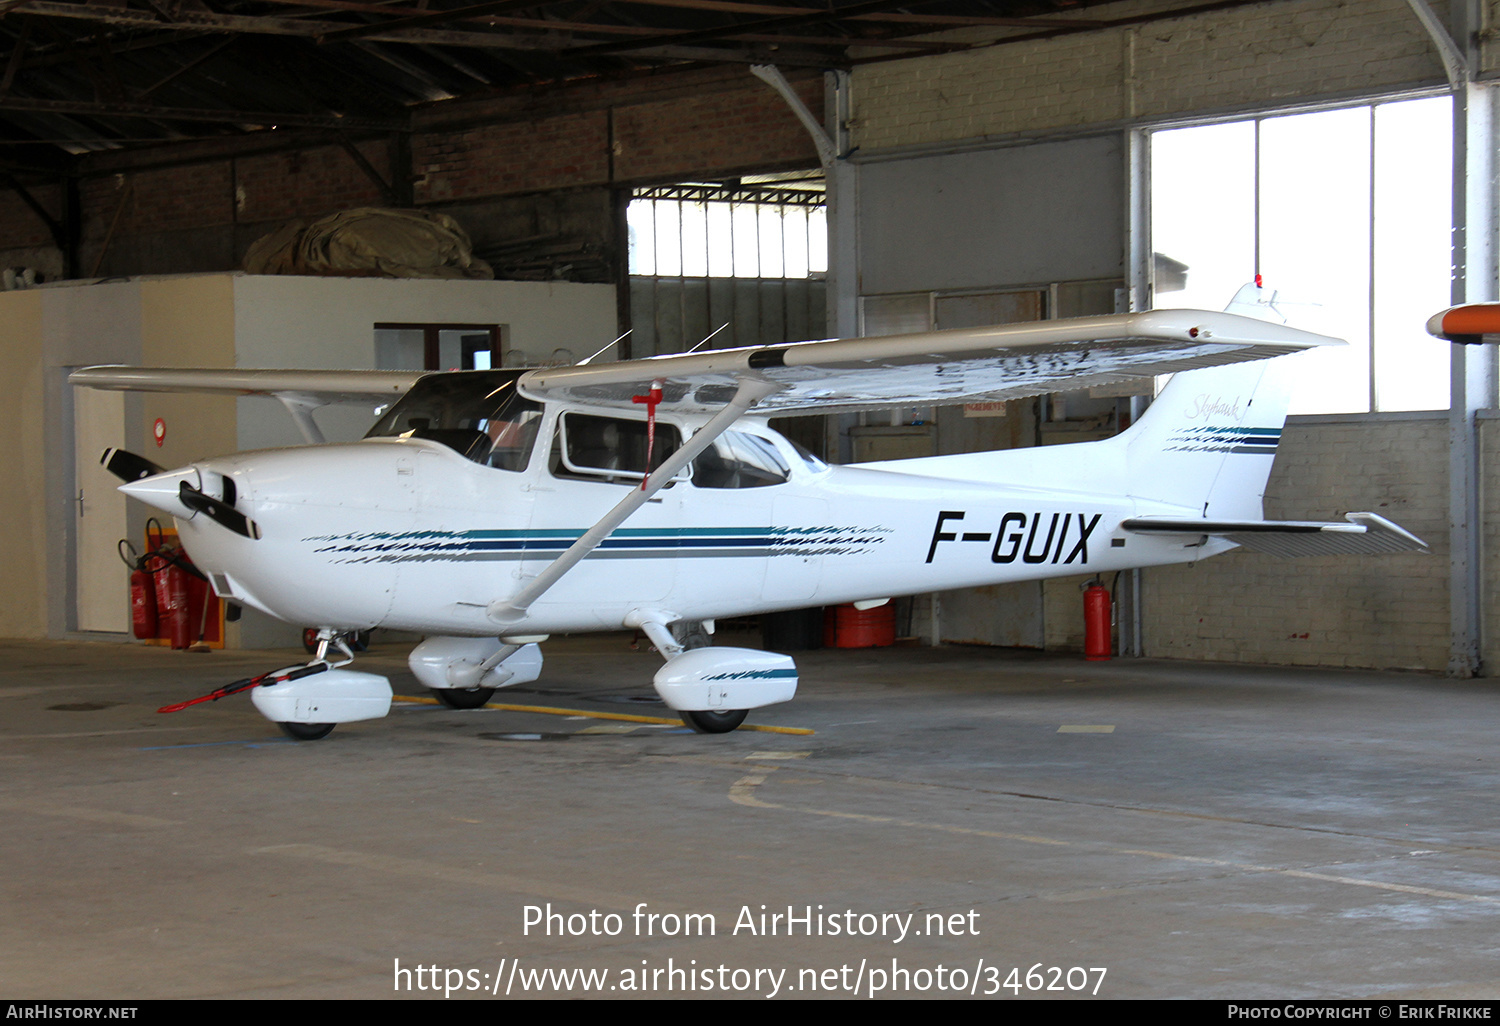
<point>1315,246</point>
<point>794,232</point>
<point>694,240</point>
<point>1203,210</point>
<point>771,263</point>
<point>668,237</point>
<point>817,240</point>
<point>746,241</point>
<point>640,218</point>
<point>720,241</point>
<point>1413,255</point>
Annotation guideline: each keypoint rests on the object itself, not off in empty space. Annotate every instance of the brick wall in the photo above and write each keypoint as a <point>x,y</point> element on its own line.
<point>1383,612</point>
<point>25,240</point>
<point>153,201</point>
<point>519,156</point>
<point>306,183</point>
<point>1256,56</point>
<point>19,225</point>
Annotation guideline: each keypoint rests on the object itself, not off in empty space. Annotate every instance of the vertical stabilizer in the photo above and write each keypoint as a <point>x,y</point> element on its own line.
<point>1207,442</point>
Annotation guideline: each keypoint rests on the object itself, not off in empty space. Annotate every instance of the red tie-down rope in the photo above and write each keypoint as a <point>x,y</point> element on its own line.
<point>651,401</point>
<point>265,679</point>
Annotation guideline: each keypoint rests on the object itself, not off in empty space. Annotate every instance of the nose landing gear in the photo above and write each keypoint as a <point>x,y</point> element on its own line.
<point>307,702</point>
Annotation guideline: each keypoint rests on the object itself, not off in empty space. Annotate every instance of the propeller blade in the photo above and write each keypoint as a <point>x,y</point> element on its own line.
<point>127,466</point>
<point>217,510</point>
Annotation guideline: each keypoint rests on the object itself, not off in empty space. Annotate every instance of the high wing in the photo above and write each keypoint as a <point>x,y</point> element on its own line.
<point>1364,533</point>
<point>314,387</point>
<point>935,368</point>
<point>300,391</point>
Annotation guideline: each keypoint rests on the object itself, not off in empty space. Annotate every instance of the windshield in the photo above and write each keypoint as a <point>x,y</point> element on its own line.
<point>478,414</point>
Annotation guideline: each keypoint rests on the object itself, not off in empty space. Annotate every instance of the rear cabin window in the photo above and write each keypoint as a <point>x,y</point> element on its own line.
<point>609,448</point>
<point>737,459</point>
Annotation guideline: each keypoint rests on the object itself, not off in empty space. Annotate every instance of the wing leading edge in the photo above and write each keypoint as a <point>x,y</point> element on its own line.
<point>311,387</point>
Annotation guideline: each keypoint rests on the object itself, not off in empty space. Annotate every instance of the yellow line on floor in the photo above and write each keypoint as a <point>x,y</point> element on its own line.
<point>625,717</point>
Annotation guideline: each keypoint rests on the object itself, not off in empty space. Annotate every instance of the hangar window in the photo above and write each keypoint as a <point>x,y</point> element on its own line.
<point>717,265</point>
<point>1346,213</point>
<point>743,228</point>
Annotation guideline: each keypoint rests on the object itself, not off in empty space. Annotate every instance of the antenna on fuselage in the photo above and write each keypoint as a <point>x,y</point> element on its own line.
<point>711,334</point>
<point>601,352</point>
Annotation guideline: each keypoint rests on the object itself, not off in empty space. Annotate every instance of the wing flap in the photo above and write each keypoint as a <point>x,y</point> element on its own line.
<point>1361,534</point>
<point>934,368</point>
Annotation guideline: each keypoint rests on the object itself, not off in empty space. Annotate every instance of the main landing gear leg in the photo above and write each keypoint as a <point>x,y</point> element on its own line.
<point>693,636</point>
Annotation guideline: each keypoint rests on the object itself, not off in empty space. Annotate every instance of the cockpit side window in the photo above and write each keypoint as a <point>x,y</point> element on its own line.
<point>479,415</point>
<point>738,459</point>
<point>608,448</point>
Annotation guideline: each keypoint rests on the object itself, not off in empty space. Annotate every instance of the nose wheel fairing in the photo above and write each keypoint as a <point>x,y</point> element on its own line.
<point>331,697</point>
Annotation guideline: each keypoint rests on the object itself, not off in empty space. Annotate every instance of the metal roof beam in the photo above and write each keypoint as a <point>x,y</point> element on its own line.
<point>758,25</point>
<point>273,26</point>
<point>128,109</point>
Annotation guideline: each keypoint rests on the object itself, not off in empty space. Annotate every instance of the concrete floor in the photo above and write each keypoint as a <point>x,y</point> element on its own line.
<point>1236,833</point>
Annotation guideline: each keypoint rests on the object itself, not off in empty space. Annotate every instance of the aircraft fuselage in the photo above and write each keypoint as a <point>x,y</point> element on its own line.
<point>407,533</point>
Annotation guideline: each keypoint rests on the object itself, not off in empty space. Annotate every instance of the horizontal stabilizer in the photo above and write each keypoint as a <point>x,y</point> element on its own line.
<point>1364,533</point>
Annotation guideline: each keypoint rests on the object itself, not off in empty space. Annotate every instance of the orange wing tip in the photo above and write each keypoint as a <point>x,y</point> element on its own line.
<point>1465,323</point>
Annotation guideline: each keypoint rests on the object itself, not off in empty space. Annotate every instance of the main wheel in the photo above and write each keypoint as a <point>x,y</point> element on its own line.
<point>463,698</point>
<point>705,722</point>
<point>306,731</point>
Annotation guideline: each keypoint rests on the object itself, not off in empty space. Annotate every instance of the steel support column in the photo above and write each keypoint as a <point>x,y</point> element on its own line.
<point>1140,292</point>
<point>842,178</point>
<point>1473,380</point>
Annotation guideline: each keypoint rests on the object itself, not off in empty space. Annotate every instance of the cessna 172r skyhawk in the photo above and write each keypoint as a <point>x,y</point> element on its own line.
<point>490,509</point>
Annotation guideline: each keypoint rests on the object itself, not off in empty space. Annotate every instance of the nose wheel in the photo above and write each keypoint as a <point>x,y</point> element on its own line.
<point>306,731</point>
<point>706,722</point>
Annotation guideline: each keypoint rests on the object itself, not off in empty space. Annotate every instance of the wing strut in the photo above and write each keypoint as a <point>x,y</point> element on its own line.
<point>750,391</point>
<point>301,408</point>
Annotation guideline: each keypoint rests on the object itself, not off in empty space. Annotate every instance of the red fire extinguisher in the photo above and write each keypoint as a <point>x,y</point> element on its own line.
<point>167,593</point>
<point>142,604</point>
<point>172,604</point>
<point>142,589</point>
<point>1097,641</point>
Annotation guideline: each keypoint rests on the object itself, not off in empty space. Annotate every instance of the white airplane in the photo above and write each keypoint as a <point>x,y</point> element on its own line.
<point>490,509</point>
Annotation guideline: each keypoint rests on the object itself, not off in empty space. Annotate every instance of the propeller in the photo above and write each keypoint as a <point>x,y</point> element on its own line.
<point>127,466</point>
<point>217,510</point>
